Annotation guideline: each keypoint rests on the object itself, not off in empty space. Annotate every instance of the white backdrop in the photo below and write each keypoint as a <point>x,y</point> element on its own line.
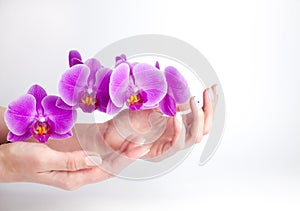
<point>253,46</point>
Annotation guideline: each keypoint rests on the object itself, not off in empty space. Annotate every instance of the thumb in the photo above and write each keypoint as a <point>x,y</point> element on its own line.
<point>74,161</point>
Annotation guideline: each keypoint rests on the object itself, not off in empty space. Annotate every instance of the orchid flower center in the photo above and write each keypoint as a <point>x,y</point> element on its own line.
<point>41,127</point>
<point>135,100</point>
<point>89,98</point>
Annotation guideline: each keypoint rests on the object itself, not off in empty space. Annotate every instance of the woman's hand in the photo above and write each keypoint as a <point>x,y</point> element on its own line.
<point>184,130</point>
<point>164,135</point>
<point>38,163</point>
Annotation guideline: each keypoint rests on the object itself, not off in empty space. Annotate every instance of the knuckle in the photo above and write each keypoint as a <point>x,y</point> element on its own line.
<point>71,164</point>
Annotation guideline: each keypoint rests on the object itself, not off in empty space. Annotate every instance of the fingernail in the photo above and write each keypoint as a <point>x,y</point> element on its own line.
<point>93,160</point>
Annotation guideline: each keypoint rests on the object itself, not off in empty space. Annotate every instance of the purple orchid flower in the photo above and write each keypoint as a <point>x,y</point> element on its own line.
<point>178,91</point>
<point>36,114</point>
<point>139,85</point>
<point>85,85</point>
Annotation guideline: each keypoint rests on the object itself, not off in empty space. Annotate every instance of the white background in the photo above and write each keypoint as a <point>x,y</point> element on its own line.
<point>254,48</point>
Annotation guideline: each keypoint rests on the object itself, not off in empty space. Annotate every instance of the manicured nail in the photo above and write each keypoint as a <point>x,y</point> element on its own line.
<point>93,160</point>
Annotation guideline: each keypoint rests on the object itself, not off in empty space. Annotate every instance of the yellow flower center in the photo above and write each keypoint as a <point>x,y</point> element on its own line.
<point>88,99</point>
<point>41,128</point>
<point>133,99</point>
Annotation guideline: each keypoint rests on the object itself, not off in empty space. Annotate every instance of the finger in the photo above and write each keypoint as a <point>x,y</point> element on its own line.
<point>131,142</point>
<point>208,112</point>
<point>172,141</point>
<point>134,152</point>
<point>183,107</point>
<point>195,123</point>
<point>118,160</point>
<point>216,96</point>
<point>178,138</point>
<point>127,145</point>
<point>199,135</point>
<point>71,180</point>
<point>71,161</point>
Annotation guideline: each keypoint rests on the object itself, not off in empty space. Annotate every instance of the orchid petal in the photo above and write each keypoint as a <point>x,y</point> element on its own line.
<point>20,114</point>
<point>75,62</point>
<point>72,83</point>
<point>135,106</point>
<point>119,82</point>
<point>43,138</point>
<point>61,121</point>
<point>121,58</point>
<point>13,137</point>
<point>157,65</point>
<point>150,80</point>
<point>38,93</point>
<point>103,78</point>
<point>168,105</point>
<point>154,96</point>
<point>111,108</point>
<point>177,85</point>
<point>87,108</point>
<point>94,66</point>
<point>74,58</point>
<point>61,104</point>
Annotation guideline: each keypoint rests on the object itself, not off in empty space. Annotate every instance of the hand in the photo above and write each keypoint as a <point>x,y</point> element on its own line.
<point>167,134</point>
<point>38,163</point>
<point>184,130</point>
<point>164,135</point>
